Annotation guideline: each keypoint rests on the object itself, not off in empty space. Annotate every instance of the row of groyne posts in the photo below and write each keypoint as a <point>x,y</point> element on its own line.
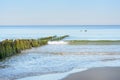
<point>11,47</point>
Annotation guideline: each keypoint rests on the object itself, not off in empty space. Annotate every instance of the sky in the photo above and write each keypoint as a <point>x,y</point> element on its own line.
<point>59,12</point>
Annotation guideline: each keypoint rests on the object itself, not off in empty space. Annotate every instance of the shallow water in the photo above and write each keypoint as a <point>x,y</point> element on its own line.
<point>59,58</point>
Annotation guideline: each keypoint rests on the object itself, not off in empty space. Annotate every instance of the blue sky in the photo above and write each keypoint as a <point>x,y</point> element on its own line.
<point>59,12</point>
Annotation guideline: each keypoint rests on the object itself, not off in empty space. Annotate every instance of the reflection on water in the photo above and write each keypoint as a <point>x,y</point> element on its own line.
<point>59,58</point>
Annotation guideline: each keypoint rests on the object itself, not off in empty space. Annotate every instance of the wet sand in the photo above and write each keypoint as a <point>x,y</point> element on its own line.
<point>105,73</point>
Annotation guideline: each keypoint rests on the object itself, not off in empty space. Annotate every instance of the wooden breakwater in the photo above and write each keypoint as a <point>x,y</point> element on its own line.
<point>11,47</point>
<point>55,38</point>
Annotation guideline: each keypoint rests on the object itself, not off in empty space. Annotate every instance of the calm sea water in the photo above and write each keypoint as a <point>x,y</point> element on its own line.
<point>58,58</point>
<point>76,32</point>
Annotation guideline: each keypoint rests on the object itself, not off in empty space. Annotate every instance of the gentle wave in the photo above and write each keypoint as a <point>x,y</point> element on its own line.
<point>57,42</point>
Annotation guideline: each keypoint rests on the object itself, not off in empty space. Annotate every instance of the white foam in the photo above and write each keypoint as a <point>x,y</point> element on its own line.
<point>57,42</point>
<point>55,76</point>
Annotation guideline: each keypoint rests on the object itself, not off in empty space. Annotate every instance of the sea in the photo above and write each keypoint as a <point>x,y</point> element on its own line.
<point>76,32</point>
<point>56,61</point>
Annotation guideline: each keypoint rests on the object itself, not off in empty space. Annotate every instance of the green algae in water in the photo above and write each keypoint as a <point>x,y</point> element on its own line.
<point>94,42</point>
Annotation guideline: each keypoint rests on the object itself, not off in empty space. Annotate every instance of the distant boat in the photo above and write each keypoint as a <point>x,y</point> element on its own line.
<point>85,30</point>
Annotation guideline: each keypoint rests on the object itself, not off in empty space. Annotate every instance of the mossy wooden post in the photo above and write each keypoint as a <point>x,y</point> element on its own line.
<point>6,48</point>
<point>35,43</point>
<point>17,46</point>
<point>2,50</point>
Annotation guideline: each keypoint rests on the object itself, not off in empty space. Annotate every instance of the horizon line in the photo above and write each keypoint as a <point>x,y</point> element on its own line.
<point>67,25</point>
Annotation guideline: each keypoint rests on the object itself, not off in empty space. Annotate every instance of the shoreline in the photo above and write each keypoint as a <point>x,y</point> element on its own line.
<point>52,76</point>
<point>100,73</point>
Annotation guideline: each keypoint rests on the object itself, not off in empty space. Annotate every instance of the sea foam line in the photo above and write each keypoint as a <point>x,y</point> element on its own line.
<point>57,42</point>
